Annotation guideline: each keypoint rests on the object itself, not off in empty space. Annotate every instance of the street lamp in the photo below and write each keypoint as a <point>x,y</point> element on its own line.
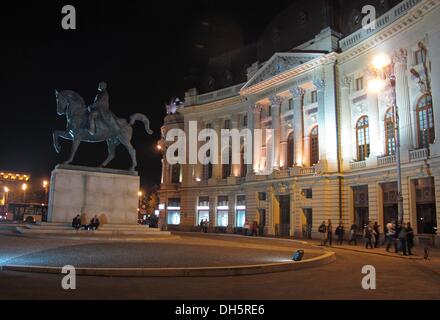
<point>139,201</point>
<point>45,185</point>
<point>383,74</point>
<point>24,188</point>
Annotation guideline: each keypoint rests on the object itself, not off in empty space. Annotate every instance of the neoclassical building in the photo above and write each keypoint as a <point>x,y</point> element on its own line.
<point>333,155</point>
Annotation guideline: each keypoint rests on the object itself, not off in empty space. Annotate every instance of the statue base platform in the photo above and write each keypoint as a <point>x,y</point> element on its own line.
<point>110,194</point>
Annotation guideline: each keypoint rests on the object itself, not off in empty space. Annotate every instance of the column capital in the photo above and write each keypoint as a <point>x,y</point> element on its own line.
<point>346,82</point>
<point>276,100</point>
<point>400,56</point>
<point>319,84</point>
<point>297,92</point>
<point>256,108</point>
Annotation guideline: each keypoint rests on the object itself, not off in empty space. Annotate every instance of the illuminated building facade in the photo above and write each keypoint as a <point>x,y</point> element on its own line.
<point>11,186</point>
<point>333,155</point>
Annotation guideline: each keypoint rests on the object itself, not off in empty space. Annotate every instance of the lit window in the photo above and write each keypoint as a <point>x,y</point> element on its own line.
<point>390,133</point>
<point>363,138</point>
<point>425,121</point>
<point>359,84</point>
<point>290,150</point>
<point>314,146</point>
<point>314,96</point>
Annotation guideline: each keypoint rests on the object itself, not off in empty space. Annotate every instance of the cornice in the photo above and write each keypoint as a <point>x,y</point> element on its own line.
<point>213,105</point>
<point>290,74</point>
<point>412,17</point>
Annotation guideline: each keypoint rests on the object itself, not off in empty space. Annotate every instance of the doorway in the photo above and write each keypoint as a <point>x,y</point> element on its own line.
<point>284,225</point>
<point>307,223</point>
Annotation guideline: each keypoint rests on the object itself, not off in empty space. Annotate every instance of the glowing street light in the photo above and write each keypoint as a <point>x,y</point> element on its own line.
<point>24,187</point>
<point>45,185</point>
<point>5,195</point>
<point>380,65</point>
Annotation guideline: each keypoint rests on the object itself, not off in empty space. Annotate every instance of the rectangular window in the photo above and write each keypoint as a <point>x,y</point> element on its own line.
<point>425,206</point>
<point>361,212</point>
<point>222,218</point>
<point>359,84</point>
<point>262,196</point>
<point>308,193</point>
<point>240,211</point>
<point>290,104</point>
<point>314,96</point>
<point>245,121</point>
<point>227,124</point>
<point>174,217</point>
<point>222,201</point>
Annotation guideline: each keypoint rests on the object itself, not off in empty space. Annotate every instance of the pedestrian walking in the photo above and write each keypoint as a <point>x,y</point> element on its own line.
<point>391,236</point>
<point>322,230</point>
<point>409,237</point>
<point>402,237</point>
<point>353,230</point>
<point>376,229</point>
<point>329,233</point>
<point>339,232</point>
<point>368,235</point>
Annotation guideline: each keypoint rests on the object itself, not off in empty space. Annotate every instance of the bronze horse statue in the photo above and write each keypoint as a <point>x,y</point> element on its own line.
<point>72,105</point>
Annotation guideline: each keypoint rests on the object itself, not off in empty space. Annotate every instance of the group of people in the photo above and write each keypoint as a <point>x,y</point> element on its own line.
<point>79,222</point>
<point>400,236</point>
<point>204,224</point>
<point>248,229</point>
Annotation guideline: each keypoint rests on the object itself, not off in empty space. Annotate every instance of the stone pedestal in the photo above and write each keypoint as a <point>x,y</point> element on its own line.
<point>110,194</point>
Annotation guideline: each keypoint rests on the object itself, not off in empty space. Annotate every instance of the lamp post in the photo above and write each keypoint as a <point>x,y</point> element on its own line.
<point>24,188</point>
<point>45,185</point>
<point>139,201</point>
<point>380,66</point>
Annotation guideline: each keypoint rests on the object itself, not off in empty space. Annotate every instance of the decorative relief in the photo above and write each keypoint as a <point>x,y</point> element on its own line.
<point>400,56</point>
<point>297,92</point>
<point>319,84</point>
<point>276,100</point>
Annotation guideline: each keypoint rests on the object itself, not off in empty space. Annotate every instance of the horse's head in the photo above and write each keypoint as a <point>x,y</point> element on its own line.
<point>62,103</point>
<point>69,102</point>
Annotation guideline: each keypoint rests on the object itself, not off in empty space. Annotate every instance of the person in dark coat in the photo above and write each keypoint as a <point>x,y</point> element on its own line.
<point>368,235</point>
<point>340,233</point>
<point>402,237</point>
<point>409,237</point>
<point>329,233</point>
<point>376,229</point>
<point>76,222</point>
<point>322,230</point>
<point>94,223</point>
<point>353,230</point>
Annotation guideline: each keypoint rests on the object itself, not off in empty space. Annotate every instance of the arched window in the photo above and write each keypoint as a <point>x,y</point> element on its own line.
<point>175,173</point>
<point>363,138</point>
<point>314,146</point>
<point>227,167</point>
<point>425,121</point>
<point>243,166</point>
<point>390,137</point>
<point>290,151</point>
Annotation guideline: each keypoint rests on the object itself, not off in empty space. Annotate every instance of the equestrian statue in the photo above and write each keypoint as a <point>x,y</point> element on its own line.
<point>96,123</point>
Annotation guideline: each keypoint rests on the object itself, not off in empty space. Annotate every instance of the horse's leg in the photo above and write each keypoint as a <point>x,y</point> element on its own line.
<point>75,145</point>
<point>111,146</point>
<point>56,135</point>
<point>124,138</point>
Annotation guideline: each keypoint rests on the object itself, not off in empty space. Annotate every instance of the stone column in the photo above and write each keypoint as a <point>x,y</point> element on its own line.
<point>254,122</point>
<point>320,87</point>
<point>298,124</point>
<point>235,168</point>
<point>276,102</point>
<point>216,168</point>
<point>404,107</point>
<point>346,125</point>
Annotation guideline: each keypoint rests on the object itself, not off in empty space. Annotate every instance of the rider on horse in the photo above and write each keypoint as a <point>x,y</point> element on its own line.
<point>100,107</point>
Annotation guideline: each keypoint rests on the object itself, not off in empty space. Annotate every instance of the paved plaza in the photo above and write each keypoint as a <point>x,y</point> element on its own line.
<point>397,277</point>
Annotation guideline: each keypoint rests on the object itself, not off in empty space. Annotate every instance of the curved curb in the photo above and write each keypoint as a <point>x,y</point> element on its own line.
<point>324,259</point>
<point>383,254</point>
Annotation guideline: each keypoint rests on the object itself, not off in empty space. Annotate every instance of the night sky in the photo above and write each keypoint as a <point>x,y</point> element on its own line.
<point>144,50</point>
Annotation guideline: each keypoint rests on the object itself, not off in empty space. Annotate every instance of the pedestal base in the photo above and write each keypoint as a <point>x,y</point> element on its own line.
<point>110,194</point>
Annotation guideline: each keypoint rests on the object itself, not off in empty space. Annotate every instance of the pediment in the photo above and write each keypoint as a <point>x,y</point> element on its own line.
<point>280,63</point>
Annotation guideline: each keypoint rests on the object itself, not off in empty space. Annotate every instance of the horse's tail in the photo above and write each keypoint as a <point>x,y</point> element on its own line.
<point>142,118</point>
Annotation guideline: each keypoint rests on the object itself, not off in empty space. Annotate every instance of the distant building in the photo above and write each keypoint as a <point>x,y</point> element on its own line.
<point>11,186</point>
<point>333,155</point>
